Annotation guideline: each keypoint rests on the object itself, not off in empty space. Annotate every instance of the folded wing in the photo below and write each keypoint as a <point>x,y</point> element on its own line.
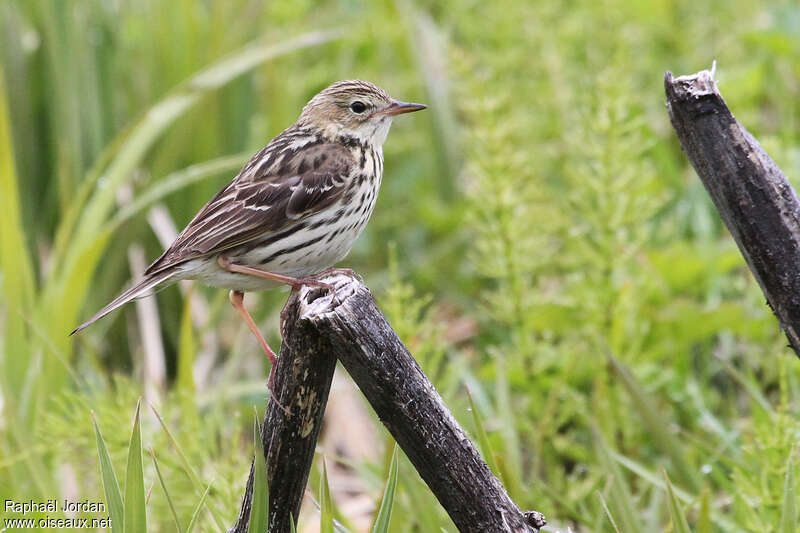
<point>297,184</point>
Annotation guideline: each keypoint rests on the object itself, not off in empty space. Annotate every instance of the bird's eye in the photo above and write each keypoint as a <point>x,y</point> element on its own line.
<point>358,106</point>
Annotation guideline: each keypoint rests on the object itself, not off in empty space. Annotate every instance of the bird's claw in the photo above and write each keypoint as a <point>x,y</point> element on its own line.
<point>349,272</point>
<point>311,282</point>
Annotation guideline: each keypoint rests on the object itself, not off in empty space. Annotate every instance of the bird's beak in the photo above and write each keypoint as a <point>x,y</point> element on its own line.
<point>398,108</point>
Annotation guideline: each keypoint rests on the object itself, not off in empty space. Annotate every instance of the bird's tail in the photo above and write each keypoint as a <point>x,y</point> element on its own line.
<point>150,281</point>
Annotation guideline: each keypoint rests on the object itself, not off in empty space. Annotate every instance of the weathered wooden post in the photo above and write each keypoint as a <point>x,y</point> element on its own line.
<point>754,198</point>
<point>323,326</point>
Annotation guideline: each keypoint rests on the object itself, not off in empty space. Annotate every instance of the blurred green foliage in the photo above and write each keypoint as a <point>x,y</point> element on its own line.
<point>552,250</point>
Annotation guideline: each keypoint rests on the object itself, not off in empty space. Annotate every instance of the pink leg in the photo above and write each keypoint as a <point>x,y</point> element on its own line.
<point>295,283</point>
<point>237,300</point>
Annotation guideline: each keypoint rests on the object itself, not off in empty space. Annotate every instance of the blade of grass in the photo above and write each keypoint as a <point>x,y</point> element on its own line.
<point>679,523</point>
<point>651,477</point>
<point>483,438</point>
<point>607,511</point>
<point>431,55</point>
<point>15,265</point>
<point>654,422</point>
<point>748,384</point>
<point>166,492</point>
<point>62,65</point>
<point>384,515</point>
<point>259,510</point>
<point>176,181</point>
<point>199,508</point>
<point>19,446</point>
<point>619,493</point>
<point>337,526</point>
<point>325,504</point>
<point>66,225</point>
<point>188,469</point>
<point>512,459</point>
<point>110,483</point>
<point>135,510</point>
<point>703,524</point>
<point>789,509</point>
<point>427,515</point>
<point>186,350</point>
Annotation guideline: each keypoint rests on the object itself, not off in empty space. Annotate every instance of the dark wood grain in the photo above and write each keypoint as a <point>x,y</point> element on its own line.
<point>753,197</point>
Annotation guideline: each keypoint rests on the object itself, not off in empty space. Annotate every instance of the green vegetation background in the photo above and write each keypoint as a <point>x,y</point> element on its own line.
<point>540,239</point>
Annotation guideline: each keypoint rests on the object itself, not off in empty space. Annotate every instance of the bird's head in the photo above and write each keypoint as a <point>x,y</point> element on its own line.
<point>356,109</point>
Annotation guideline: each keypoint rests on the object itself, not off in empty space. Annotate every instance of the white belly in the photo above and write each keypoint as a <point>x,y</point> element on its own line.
<point>324,240</point>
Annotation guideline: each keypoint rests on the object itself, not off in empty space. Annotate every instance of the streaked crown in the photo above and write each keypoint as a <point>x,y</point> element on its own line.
<point>354,108</point>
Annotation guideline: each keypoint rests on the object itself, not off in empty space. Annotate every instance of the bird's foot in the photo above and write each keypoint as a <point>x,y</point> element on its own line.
<point>349,272</point>
<point>312,281</point>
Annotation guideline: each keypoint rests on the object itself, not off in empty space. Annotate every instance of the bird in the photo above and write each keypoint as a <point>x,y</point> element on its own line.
<point>293,211</point>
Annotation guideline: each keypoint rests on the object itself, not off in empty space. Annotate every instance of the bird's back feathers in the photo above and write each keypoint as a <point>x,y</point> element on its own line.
<point>295,175</point>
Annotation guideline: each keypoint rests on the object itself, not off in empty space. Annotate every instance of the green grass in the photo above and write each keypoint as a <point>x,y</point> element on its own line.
<point>259,512</point>
<point>551,251</point>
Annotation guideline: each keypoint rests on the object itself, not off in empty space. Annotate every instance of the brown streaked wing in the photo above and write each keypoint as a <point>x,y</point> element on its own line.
<point>306,183</point>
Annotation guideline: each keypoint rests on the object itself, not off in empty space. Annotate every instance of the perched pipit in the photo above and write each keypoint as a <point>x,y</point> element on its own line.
<point>293,211</point>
